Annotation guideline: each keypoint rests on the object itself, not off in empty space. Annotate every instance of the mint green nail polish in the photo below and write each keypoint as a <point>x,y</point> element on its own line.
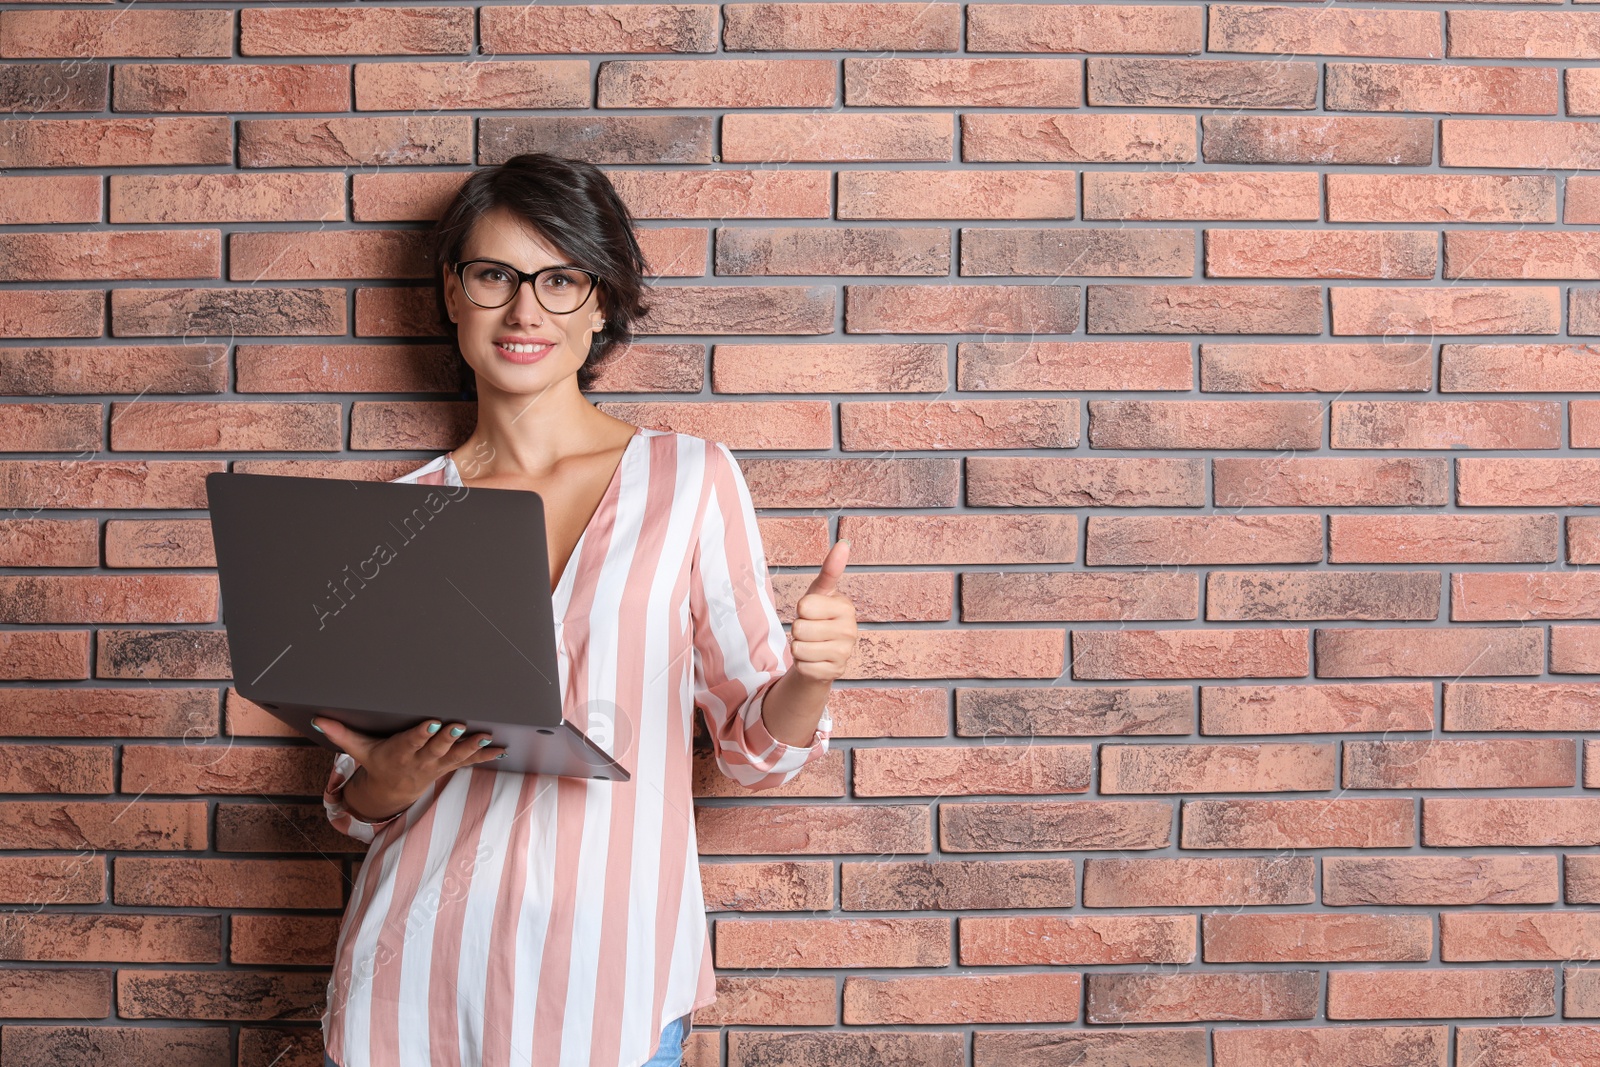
<point>501,756</point>
<point>483,742</point>
<point>317,728</point>
<point>457,731</point>
<point>433,727</point>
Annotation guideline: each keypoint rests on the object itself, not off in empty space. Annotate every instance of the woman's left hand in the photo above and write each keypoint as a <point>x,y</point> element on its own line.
<point>823,634</point>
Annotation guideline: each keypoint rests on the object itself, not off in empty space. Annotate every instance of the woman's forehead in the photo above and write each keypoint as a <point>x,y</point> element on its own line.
<point>502,236</point>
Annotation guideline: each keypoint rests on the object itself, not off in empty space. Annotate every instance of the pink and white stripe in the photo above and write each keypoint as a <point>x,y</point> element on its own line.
<point>511,920</point>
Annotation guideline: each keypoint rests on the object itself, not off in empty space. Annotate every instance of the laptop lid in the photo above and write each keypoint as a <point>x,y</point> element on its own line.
<point>384,604</point>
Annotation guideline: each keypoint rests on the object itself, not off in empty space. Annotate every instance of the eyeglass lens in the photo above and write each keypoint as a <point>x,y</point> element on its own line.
<point>558,290</point>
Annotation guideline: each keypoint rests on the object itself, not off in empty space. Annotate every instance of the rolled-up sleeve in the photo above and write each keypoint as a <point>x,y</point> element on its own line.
<point>740,649</point>
<point>344,765</point>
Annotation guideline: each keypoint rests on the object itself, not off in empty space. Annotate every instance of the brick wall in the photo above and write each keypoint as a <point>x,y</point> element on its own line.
<point>1202,387</point>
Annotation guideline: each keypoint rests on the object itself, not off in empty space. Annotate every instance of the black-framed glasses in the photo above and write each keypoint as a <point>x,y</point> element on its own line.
<point>492,284</point>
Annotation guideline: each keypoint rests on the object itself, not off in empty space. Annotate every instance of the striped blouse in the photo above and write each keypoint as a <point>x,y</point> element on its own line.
<point>510,919</point>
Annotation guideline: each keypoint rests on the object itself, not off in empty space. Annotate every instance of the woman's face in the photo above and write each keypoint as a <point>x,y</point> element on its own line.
<point>559,342</point>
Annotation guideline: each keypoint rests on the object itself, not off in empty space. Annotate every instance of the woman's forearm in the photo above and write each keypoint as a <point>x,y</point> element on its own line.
<point>793,707</point>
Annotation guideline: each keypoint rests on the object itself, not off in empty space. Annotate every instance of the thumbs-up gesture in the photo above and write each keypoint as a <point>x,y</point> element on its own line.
<point>823,635</point>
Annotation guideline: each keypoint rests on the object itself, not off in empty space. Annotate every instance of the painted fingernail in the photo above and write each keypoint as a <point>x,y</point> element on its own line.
<point>457,731</point>
<point>483,742</point>
<point>501,756</point>
<point>433,727</point>
<point>317,728</point>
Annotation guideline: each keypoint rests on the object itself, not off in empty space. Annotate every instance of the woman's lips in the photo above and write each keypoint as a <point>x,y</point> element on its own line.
<point>523,357</point>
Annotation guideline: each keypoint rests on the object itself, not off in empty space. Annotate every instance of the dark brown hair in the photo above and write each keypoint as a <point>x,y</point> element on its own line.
<point>573,206</point>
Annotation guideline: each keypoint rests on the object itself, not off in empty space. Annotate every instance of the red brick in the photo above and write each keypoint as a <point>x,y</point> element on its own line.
<point>481,84</point>
<point>47,880</point>
<point>1494,481</point>
<point>1202,195</point>
<point>1200,83</point>
<point>1230,653</point>
<point>1458,88</point>
<point>434,140</point>
<point>1063,480</point>
<point>74,34</point>
<point>952,885</point>
<point>1355,31</point>
<point>247,995</point>
<point>1570,707</point>
<point>226,883</point>
<point>1036,596</point>
<point>1509,764</point>
<point>1076,940</point>
<point>1286,253</point>
<point>280,940</point>
<point>223,197</point>
<point>350,31</point>
<point>1068,825</point>
<point>1440,197</point>
<point>813,828</point>
<point>1410,424</point>
<point>1509,935</point>
<point>1212,308</point>
<point>853,943</point>
<point>1191,768</point>
<point>915,424</point>
<point>1088,1048</point>
<point>176,87</point>
<point>1394,538</point>
<point>1173,540</point>
<point>1133,365</point>
<point>768,1001</point>
<point>1040,997</point>
<point>1292,139</point>
<point>1063,137</point>
<point>1528,1046</point>
<point>1317,938</point>
<point>1240,881</point>
<point>749,1047</point>
<point>1208,424</point>
<point>82,937</point>
<point>932,771</point>
<point>1473,309</point>
<point>1278,596</point>
<point>1316,709</point>
<point>1083,28</point>
<point>1332,481</point>
<point>1348,822</point>
<point>778,886</point>
<point>1438,880</point>
<point>1202,997</point>
<point>1039,711</point>
<point>1333,1046</point>
<point>1524,821</point>
<point>1332,368</point>
<point>40,993</point>
<point>176,1046</point>
<point>1441,994</point>
<point>853,27</point>
<point>1542,35</point>
<point>941,82</point>
<point>729,83</point>
<point>1374,652</point>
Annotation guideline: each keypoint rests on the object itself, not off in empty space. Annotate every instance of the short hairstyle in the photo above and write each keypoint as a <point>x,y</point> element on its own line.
<point>573,206</point>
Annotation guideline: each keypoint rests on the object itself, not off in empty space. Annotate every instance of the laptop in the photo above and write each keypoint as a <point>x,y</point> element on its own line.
<point>385,604</point>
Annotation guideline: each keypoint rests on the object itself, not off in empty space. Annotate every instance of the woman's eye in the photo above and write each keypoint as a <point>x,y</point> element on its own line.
<point>495,275</point>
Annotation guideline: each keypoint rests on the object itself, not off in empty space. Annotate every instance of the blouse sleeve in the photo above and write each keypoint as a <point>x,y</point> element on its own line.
<point>344,765</point>
<point>740,649</point>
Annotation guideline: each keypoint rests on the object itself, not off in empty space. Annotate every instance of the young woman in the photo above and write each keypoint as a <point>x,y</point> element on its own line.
<point>504,919</point>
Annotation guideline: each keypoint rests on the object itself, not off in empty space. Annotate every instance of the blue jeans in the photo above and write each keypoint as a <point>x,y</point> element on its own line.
<point>668,1054</point>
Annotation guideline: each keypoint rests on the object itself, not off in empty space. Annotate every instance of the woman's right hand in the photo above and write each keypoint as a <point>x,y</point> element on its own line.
<point>394,771</point>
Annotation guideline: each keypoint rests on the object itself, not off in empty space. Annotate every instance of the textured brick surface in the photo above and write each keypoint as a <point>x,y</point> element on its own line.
<point>1208,391</point>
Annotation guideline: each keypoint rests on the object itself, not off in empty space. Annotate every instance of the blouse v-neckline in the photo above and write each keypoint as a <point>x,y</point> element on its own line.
<point>563,586</point>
